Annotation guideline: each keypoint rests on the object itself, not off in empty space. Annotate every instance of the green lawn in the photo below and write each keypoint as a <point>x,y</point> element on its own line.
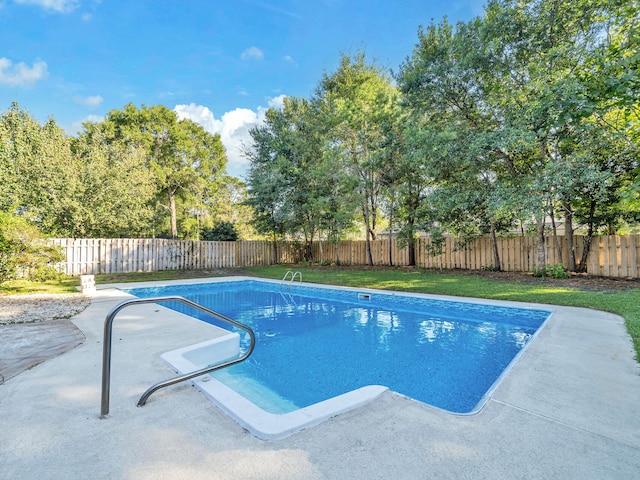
<point>623,302</point>
<point>68,285</point>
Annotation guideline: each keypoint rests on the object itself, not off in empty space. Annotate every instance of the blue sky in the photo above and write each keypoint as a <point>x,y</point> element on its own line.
<point>221,63</point>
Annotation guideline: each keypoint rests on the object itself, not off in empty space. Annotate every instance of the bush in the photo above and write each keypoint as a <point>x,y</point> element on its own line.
<point>23,252</point>
<point>558,271</point>
<point>222,232</point>
<point>554,271</point>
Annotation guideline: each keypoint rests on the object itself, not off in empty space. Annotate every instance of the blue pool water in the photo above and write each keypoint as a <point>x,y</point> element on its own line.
<point>316,343</point>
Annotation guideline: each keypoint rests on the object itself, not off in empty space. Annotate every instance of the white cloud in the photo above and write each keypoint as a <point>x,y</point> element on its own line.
<point>252,53</point>
<point>92,101</point>
<point>201,115</point>
<point>20,74</point>
<point>277,102</point>
<point>62,6</point>
<point>77,126</point>
<point>233,128</point>
<point>288,58</point>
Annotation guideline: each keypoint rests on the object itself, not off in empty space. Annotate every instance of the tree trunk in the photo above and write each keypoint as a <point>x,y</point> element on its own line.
<point>308,250</point>
<point>172,212</point>
<point>541,257</point>
<point>587,240</point>
<point>390,239</point>
<point>555,237</point>
<point>411,245</point>
<point>274,249</point>
<point>367,224</point>
<point>494,242</point>
<point>568,234</point>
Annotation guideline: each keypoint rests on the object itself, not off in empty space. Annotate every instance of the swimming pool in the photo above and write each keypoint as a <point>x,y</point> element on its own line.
<point>315,343</point>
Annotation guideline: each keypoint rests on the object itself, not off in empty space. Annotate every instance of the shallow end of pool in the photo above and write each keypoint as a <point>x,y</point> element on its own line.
<point>261,424</point>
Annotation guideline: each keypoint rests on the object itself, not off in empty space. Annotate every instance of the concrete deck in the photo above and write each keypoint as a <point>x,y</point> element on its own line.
<point>569,409</point>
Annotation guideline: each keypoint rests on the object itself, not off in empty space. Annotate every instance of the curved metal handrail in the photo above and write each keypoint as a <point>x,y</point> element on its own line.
<point>106,350</point>
<point>293,277</point>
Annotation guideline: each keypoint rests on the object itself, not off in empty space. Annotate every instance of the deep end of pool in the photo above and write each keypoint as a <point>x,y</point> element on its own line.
<point>260,423</point>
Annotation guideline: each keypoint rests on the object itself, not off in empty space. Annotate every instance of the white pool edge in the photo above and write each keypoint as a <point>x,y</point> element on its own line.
<point>262,424</point>
<point>268,426</point>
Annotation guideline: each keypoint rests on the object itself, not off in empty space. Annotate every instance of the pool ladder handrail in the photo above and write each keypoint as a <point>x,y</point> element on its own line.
<point>293,274</point>
<point>108,334</point>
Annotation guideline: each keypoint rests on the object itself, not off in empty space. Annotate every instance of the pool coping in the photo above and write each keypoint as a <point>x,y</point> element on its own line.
<point>270,426</point>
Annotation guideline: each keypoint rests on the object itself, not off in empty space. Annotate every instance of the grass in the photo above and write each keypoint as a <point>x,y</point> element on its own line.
<point>67,285</point>
<point>622,302</point>
<point>154,276</point>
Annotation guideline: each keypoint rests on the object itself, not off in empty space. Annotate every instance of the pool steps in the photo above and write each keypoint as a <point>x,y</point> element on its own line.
<point>106,352</point>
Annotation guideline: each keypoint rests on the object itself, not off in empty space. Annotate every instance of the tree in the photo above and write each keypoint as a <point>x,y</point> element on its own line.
<point>30,157</point>
<point>358,97</point>
<point>23,254</point>
<point>506,101</point>
<point>452,134</point>
<point>184,158</point>
<point>84,187</point>
<point>109,189</point>
<point>541,83</point>
<point>228,204</point>
<point>294,182</point>
<point>221,232</point>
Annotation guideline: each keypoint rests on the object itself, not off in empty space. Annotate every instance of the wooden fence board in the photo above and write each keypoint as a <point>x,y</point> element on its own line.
<point>612,256</point>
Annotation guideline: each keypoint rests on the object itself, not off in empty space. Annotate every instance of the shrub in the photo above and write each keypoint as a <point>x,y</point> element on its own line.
<point>558,271</point>
<point>23,252</point>
<point>541,272</point>
<point>554,271</point>
<point>222,232</point>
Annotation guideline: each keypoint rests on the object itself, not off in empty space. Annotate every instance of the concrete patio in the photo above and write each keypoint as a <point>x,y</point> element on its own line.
<point>569,409</point>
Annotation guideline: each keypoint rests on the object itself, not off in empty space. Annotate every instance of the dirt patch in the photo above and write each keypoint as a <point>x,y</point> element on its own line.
<point>578,281</point>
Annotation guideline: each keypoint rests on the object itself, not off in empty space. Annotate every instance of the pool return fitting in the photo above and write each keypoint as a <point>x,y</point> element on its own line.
<point>106,349</point>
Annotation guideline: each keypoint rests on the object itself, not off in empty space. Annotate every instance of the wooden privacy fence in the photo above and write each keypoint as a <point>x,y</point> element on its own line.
<point>124,255</point>
<point>610,256</point>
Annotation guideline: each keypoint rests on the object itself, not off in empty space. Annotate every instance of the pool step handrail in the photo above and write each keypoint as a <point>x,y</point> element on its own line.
<point>106,349</point>
<point>294,275</point>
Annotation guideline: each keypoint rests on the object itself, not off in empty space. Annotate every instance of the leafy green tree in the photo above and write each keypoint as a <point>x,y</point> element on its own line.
<point>228,204</point>
<point>109,189</point>
<point>450,145</point>
<point>542,85</point>
<point>221,232</point>
<point>185,160</point>
<point>23,253</point>
<point>84,187</point>
<point>293,182</point>
<point>18,134</point>
<point>358,98</point>
<point>506,101</point>
<point>30,157</point>
<point>266,194</point>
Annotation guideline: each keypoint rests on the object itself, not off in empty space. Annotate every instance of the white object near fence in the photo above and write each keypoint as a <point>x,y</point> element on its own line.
<point>87,284</point>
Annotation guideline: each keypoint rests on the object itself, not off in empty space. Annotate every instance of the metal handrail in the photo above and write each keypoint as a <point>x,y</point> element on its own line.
<point>293,277</point>
<point>106,350</point>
